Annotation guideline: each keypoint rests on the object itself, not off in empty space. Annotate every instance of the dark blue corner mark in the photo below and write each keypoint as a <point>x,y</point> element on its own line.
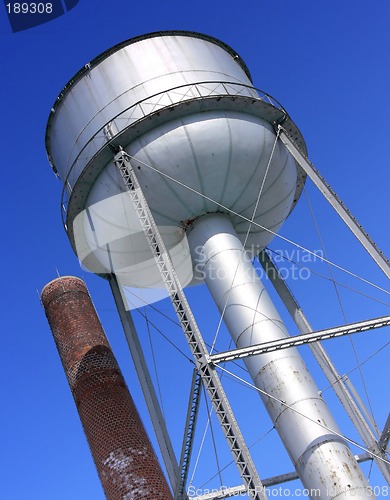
<point>69,4</point>
<point>26,15</point>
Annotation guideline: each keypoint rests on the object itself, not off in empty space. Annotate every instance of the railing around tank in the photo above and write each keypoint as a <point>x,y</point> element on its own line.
<point>139,111</point>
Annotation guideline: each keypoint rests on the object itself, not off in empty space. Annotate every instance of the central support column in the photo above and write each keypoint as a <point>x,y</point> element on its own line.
<point>322,459</point>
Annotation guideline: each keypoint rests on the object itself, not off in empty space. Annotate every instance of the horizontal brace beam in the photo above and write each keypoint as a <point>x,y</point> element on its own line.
<point>297,340</point>
<point>272,481</point>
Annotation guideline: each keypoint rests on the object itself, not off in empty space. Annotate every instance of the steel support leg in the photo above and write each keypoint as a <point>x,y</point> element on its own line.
<point>189,433</point>
<point>384,439</point>
<point>192,333</point>
<point>336,203</point>
<point>146,383</point>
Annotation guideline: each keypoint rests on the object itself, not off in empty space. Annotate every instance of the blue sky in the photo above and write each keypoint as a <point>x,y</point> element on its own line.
<point>328,64</point>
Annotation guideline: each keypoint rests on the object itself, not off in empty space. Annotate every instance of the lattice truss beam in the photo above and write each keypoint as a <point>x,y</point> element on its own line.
<point>191,331</point>
<point>189,432</point>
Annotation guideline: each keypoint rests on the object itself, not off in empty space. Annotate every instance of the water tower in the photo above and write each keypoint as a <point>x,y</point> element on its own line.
<point>176,171</point>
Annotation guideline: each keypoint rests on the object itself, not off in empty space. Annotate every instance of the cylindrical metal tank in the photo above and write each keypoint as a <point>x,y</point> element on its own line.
<point>321,457</point>
<point>124,457</point>
<point>183,105</point>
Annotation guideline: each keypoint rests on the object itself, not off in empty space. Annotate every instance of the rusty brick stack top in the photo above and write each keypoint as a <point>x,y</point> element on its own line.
<point>124,457</point>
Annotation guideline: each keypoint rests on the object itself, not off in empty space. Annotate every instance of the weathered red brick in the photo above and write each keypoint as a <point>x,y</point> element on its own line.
<point>126,463</point>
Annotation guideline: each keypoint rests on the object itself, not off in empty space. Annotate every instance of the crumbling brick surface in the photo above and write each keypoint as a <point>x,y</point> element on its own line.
<point>124,457</point>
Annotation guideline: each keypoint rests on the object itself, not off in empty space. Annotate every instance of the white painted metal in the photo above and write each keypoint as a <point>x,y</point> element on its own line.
<point>206,152</point>
<point>182,103</point>
<point>291,476</point>
<point>251,318</point>
<point>128,73</point>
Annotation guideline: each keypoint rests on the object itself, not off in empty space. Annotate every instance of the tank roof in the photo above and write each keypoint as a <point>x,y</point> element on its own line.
<point>104,55</point>
<point>115,48</point>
